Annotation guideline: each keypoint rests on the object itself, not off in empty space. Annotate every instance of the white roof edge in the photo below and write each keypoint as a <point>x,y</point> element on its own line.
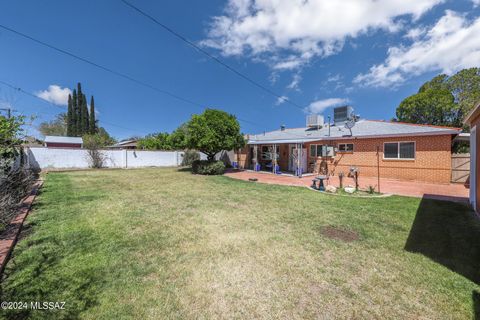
<point>438,133</point>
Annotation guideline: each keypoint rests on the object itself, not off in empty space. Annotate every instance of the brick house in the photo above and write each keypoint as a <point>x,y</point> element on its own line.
<point>388,149</point>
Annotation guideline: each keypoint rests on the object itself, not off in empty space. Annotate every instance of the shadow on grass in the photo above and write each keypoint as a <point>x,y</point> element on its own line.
<point>185,169</point>
<point>476,305</point>
<point>35,273</point>
<point>448,233</point>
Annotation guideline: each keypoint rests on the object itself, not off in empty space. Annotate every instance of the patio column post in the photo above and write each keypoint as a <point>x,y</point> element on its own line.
<point>299,160</point>
<point>255,157</point>
<point>274,157</point>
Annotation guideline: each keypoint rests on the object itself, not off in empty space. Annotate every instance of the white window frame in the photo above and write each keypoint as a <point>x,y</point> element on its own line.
<point>316,151</point>
<point>345,151</point>
<point>398,152</point>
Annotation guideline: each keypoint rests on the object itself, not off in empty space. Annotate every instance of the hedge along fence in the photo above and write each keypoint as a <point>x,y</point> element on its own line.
<point>15,184</point>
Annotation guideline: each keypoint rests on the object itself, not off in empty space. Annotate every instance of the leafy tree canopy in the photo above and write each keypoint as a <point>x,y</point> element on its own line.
<point>10,139</point>
<point>56,127</point>
<point>156,141</point>
<point>98,140</point>
<point>214,131</point>
<point>178,138</point>
<point>443,100</point>
<point>436,107</point>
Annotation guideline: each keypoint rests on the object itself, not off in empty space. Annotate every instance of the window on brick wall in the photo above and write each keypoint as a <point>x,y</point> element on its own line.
<point>399,150</point>
<point>345,147</point>
<point>321,150</point>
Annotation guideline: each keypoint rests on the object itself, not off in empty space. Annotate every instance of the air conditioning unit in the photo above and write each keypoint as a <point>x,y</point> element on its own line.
<point>315,121</point>
<point>342,114</point>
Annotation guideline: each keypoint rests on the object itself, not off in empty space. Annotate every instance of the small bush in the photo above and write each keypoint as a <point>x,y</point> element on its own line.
<point>208,167</point>
<point>371,189</point>
<point>189,157</point>
<point>14,186</point>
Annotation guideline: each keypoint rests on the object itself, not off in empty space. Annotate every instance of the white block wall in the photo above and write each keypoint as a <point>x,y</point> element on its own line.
<point>59,158</point>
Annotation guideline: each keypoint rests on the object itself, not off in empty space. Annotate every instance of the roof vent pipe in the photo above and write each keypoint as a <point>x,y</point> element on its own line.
<point>282,127</point>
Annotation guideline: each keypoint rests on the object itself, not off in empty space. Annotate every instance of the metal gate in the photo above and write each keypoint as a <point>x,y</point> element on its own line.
<point>460,167</point>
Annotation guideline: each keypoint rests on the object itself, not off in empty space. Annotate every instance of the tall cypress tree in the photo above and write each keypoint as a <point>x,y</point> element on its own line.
<point>70,117</point>
<point>92,124</point>
<point>74,114</point>
<point>78,116</point>
<point>84,119</point>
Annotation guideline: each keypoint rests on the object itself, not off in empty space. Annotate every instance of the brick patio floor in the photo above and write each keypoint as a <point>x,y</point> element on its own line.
<point>452,192</point>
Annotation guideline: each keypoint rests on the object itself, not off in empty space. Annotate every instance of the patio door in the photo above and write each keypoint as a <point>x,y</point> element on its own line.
<point>293,158</point>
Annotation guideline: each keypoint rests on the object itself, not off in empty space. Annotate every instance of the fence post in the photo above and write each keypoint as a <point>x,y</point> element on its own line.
<point>126,159</point>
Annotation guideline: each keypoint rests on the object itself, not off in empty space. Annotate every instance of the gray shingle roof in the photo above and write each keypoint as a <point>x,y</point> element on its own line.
<point>362,129</point>
<point>59,139</point>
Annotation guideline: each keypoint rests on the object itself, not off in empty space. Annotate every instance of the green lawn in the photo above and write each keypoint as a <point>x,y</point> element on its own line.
<point>162,243</point>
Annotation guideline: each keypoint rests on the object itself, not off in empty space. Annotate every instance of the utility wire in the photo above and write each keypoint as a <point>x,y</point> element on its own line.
<point>57,106</point>
<point>117,73</point>
<point>206,53</point>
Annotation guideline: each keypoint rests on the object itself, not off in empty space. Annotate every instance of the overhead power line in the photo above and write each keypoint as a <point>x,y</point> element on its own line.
<point>60,107</point>
<point>206,53</point>
<point>109,70</point>
<point>97,65</point>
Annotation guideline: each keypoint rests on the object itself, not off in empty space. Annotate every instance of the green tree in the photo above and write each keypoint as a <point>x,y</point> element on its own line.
<point>465,87</point>
<point>84,118</point>
<point>78,115</point>
<point>73,119</point>
<point>100,139</point>
<point>70,117</point>
<point>92,122</point>
<point>56,127</point>
<point>156,141</point>
<point>178,138</point>
<point>443,100</point>
<point>214,131</point>
<point>435,107</point>
<point>10,140</point>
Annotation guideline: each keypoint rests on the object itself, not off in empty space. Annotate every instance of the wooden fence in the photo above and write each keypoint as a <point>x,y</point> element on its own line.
<point>460,167</point>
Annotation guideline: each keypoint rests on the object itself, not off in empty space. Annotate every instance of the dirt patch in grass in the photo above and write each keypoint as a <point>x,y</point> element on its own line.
<point>339,234</point>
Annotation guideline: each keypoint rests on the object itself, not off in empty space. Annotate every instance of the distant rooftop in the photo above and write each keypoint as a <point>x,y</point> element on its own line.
<point>60,139</point>
<point>362,129</point>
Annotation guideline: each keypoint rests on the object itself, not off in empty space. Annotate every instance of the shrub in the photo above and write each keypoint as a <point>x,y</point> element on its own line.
<point>189,157</point>
<point>371,189</point>
<point>14,186</point>
<point>93,143</point>
<point>208,167</point>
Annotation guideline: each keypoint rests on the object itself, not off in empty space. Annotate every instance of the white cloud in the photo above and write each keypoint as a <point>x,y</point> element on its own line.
<point>415,33</point>
<point>55,94</point>
<point>287,34</point>
<point>320,105</point>
<point>448,46</point>
<point>476,2</point>
<point>281,100</point>
<point>334,78</point>
<point>295,82</point>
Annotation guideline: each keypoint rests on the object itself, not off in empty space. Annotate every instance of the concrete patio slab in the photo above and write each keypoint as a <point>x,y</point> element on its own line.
<point>450,192</point>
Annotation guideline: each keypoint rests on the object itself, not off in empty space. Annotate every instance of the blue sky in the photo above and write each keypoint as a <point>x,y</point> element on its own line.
<point>319,53</point>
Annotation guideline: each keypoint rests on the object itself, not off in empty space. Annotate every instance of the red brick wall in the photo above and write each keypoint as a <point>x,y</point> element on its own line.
<point>63,145</point>
<point>432,161</point>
